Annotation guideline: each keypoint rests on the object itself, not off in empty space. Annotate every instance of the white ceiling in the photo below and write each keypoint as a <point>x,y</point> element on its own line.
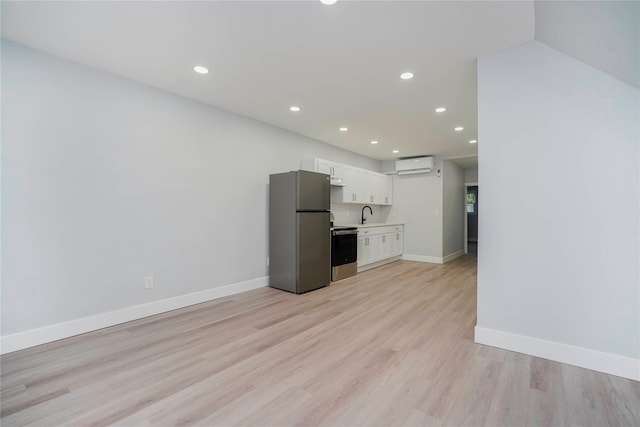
<point>339,63</point>
<point>603,34</point>
<point>467,162</point>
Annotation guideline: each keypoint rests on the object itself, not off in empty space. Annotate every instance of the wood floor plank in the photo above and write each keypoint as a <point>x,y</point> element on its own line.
<point>548,407</point>
<point>391,346</point>
<point>511,393</point>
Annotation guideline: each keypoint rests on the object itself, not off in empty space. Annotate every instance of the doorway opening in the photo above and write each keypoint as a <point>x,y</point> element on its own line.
<point>471,219</point>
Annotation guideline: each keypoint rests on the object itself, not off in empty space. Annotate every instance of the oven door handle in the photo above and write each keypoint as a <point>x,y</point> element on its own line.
<point>343,232</point>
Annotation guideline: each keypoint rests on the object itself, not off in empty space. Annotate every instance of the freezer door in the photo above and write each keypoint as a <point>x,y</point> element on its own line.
<point>313,191</point>
<point>314,251</point>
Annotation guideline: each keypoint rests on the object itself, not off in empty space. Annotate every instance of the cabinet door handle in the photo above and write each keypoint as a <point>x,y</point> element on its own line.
<point>366,241</point>
<point>397,236</point>
<point>384,239</point>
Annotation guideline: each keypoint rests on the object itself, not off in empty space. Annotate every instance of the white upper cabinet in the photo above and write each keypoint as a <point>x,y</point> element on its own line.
<point>334,170</point>
<point>387,190</point>
<point>352,184</point>
<point>379,189</point>
<point>349,192</point>
<point>322,166</point>
<point>355,185</point>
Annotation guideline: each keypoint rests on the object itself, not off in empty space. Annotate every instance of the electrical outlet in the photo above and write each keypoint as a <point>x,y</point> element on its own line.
<point>267,261</point>
<point>148,282</point>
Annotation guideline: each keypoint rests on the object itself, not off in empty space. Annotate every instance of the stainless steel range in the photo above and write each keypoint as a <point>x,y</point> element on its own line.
<point>344,252</point>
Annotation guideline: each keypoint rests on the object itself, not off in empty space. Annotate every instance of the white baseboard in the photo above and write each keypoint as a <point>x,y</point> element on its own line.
<point>423,258</point>
<point>433,259</point>
<point>608,363</point>
<point>33,337</point>
<point>377,263</point>
<point>453,256</point>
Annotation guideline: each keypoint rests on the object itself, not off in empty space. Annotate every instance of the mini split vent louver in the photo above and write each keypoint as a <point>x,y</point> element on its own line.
<point>414,165</point>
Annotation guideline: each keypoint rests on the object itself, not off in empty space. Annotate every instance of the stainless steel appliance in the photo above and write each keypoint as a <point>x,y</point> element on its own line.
<point>299,232</point>
<point>344,252</point>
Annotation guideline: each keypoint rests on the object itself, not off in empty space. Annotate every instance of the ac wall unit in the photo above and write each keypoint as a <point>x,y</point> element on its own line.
<point>414,165</point>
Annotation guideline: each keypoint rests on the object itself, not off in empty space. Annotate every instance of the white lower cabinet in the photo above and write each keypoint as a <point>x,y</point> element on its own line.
<point>379,244</point>
<point>385,240</point>
<point>396,243</point>
<point>365,250</point>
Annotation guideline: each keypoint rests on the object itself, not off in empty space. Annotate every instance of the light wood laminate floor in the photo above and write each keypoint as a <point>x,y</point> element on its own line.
<point>391,346</point>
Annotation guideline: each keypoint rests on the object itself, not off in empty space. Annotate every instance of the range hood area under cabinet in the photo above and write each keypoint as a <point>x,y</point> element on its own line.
<point>350,184</point>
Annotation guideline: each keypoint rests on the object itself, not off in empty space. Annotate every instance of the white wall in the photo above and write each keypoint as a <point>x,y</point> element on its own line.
<point>453,210</point>
<point>417,201</point>
<point>106,181</point>
<point>566,286</point>
<point>349,214</point>
<point>603,34</point>
<point>432,209</point>
<point>471,176</point>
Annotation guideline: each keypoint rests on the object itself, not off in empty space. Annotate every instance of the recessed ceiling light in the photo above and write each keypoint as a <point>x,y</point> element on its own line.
<point>395,151</point>
<point>406,76</point>
<point>440,110</point>
<point>200,69</point>
<point>458,129</point>
<point>344,129</point>
<point>328,2</point>
<point>374,142</point>
<point>294,108</point>
<point>473,141</point>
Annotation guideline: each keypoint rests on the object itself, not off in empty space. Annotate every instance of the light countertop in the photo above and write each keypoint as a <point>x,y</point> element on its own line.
<point>373,224</point>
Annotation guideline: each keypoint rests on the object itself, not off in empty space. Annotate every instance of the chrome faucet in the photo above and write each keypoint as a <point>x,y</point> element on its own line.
<point>363,218</point>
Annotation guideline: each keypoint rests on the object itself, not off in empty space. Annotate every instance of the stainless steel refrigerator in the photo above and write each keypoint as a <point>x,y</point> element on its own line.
<point>299,231</point>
